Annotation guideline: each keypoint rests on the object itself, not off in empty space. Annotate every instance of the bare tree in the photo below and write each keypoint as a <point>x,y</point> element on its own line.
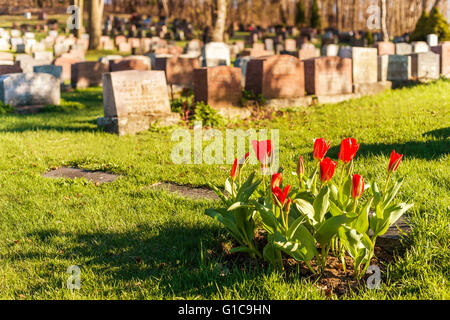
<point>95,23</point>
<point>383,21</point>
<point>219,28</point>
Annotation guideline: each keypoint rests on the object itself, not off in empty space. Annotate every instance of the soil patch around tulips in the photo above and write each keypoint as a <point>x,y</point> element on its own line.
<point>334,281</point>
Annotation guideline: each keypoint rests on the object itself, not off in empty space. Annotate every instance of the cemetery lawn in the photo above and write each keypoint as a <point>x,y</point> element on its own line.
<point>134,242</point>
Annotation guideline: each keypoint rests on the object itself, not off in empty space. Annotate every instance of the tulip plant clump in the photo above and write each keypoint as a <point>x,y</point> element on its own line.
<point>327,212</point>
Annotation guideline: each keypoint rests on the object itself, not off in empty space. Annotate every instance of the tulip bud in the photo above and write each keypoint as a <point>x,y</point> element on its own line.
<point>394,161</point>
<point>300,167</point>
<point>234,169</point>
<point>357,186</point>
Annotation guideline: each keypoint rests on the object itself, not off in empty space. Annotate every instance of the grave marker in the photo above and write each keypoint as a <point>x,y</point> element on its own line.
<point>276,77</point>
<point>328,76</point>
<point>133,100</point>
<point>218,86</point>
<point>23,89</point>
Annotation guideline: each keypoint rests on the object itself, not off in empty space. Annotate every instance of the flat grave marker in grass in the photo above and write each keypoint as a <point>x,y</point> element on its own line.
<point>72,173</point>
<point>194,193</point>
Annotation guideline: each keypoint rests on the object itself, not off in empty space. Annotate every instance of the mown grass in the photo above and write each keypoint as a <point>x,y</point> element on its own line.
<point>134,242</point>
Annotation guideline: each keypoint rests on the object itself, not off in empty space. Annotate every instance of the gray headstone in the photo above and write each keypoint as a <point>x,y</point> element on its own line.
<point>23,89</point>
<point>425,66</point>
<point>365,65</point>
<point>394,68</point>
<point>51,69</point>
<point>403,48</point>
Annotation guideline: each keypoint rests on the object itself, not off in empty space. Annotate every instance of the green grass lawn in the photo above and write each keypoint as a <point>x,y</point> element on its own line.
<point>133,242</point>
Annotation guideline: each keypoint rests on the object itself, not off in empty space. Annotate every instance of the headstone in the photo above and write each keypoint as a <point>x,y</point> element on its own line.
<point>43,56</point>
<point>420,46</point>
<point>290,45</point>
<point>330,50</point>
<point>308,51</point>
<point>60,48</point>
<point>27,62</point>
<point>394,68</point>
<point>179,70</point>
<point>365,65</point>
<point>66,61</point>
<point>10,68</point>
<point>15,33</point>
<point>87,74</point>
<point>53,33</point>
<point>269,45</point>
<point>276,77</point>
<point>403,48</point>
<point>218,86</point>
<point>53,70</point>
<point>109,58</point>
<point>6,57</point>
<point>425,66</point>
<point>194,48</point>
<point>385,47</point>
<point>328,76</point>
<point>240,44</point>
<point>242,63</point>
<point>29,35</point>
<point>133,100</point>
<point>23,89</point>
<point>444,51</point>
<point>432,40</point>
<point>124,47</point>
<point>215,54</point>
<point>345,52</point>
<point>128,64</point>
<point>20,48</point>
<point>4,45</point>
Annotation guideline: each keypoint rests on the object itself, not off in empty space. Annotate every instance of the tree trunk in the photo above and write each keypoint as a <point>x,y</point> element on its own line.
<point>95,23</point>
<point>80,4</point>
<point>219,28</point>
<point>383,20</point>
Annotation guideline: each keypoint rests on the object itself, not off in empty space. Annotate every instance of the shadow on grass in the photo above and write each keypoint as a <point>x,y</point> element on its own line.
<point>169,254</point>
<point>427,150</point>
<point>72,125</point>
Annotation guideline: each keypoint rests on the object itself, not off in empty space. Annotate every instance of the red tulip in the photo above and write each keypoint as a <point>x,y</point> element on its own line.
<point>288,205</point>
<point>320,148</point>
<point>234,169</point>
<point>327,167</point>
<point>276,180</point>
<point>300,167</point>
<point>281,195</point>
<point>241,161</point>
<point>349,147</point>
<point>357,186</point>
<point>263,149</point>
<point>394,162</point>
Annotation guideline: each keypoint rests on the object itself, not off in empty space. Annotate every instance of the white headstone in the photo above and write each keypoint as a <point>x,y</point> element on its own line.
<point>330,50</point>
<point>15,33</point>
<point>432,40</point>
<point>216,54</point>
<point>420,46</point>
<point>22,89</point>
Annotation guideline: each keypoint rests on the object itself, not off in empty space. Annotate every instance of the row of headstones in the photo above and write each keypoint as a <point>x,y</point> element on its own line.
<point>279,76</point>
